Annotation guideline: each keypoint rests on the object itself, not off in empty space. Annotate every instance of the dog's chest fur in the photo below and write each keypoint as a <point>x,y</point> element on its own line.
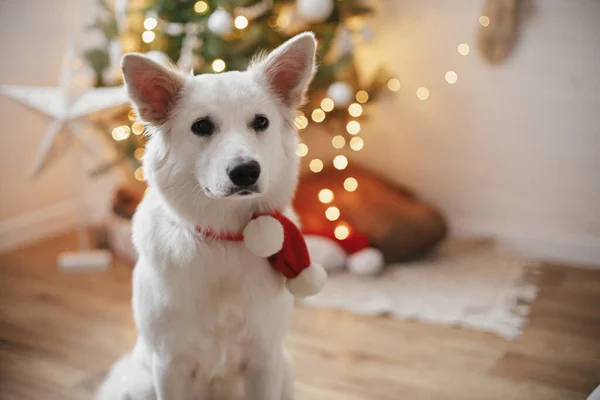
<point>212,299</point>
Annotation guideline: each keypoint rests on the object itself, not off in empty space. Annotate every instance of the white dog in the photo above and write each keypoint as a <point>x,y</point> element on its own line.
<point>211,314</point>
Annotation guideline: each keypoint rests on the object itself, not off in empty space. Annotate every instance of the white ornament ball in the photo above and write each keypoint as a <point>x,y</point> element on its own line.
<point>220,22</point>
<point>160,57</point>
<point>315,10</point>
<point>263,236</point>
<point>341,94</point>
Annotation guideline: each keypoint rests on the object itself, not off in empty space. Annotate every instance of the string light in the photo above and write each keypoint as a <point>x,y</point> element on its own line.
<point>355,110</point>
<point>131,115</point>
<point>150,23</point>
<point>148,36</point>
<point>325,196</point>
<point>341,232</point>
<point>357,143</point>
<point>137,128</point>
<point>302,150</point>
<point>423,93</point>
<point>241,22</point>
<point>340,162</point>
<point>338,141</point>
<point>353,127</point>
<point>350,184</point>
<point>218,65</point>
<point>301,122</point>
<point>451,77</point>
<point>394,85</point>
<point>201,7</point>
<point>318,115</point>
<point>327,104</point>
<point>362,96</point>
<point>332,213</point>
<point>120,133</point>
<point>315,165</point>
<point>484,20</point>
<point>138,153</point>
<point>139,174</point>
<point>464,49</point>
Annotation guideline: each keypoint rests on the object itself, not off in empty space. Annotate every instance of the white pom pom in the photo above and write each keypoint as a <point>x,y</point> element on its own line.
<point>326,252</point>
<point>310,281</point>
<point>369,261</point>
<point>263,236</point>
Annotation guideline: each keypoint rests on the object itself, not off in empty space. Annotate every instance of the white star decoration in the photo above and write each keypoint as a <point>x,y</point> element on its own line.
<point>66,105</point>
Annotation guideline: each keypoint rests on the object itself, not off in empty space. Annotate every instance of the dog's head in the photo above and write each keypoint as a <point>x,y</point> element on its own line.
<point>227,137</point>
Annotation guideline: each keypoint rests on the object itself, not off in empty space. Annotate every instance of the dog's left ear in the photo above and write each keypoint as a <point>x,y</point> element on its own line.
<point>288,69</point>
<point>153,88</point>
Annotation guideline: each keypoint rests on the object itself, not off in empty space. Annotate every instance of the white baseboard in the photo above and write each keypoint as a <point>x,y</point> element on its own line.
<point>578,250</point>
<point>28,228</point>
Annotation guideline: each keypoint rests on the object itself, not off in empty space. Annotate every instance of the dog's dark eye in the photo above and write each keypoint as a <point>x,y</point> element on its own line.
<point>260,123</point>
<point>203,127</point>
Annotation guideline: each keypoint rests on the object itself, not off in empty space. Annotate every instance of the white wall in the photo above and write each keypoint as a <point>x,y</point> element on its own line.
<point>33,38</point>
<point>510,150</point>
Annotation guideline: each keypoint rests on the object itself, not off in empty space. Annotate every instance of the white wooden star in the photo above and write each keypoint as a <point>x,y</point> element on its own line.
<point>66,104</point>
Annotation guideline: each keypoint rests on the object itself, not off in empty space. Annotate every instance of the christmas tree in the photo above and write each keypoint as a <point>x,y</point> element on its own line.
<point>214,36</point>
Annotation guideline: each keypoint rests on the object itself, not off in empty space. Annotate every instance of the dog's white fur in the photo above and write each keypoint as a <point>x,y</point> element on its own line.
<point>211,315</point>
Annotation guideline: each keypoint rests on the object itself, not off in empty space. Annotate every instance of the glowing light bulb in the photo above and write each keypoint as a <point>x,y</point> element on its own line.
<point>355,110</point>
<point>464,49</point>
<point>362,96</point>
<point>357,143</point>
<point>394,85</point>
<point>138,153</point>
<point>137,128</point>
<point>302,150</point>
<point>423,93</point>
<point>150,23</point>
<point>340,162</point>
<point>327,104</point>
<point>121,133</point>
<point>316,165</point>
<point>218,65</point>
<point>318,115</point>
<point>484,20</point>
<point>338,141</point>
<point>301,122</point>
<point>451,77</point>
<point>139,174</point>
<point>201,7</point>
<point>241,22</point>
<point>148,36</point>
<point>350,184</point>
<point>341,232</point>
<point>131,115</point>
<point>332,213</point>
<point>353,127</point>
<point>326,196</point>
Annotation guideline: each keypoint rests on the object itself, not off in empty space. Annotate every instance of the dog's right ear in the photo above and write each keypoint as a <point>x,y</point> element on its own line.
<point>153,88</point>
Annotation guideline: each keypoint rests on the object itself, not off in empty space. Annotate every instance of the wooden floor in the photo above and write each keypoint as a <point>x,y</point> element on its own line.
<point>59,333</point>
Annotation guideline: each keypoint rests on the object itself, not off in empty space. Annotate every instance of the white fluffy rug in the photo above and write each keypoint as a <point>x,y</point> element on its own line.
<point>472,284</point>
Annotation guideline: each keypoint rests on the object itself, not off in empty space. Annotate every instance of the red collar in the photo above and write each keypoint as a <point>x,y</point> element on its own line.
<point>230,236</point>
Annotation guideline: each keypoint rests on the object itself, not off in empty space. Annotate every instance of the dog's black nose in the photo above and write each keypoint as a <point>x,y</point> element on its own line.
<point>245,174</point>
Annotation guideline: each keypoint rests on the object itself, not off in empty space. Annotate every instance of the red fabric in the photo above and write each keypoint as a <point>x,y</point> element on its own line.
<point>293,257</point>
<point>354,243</point>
